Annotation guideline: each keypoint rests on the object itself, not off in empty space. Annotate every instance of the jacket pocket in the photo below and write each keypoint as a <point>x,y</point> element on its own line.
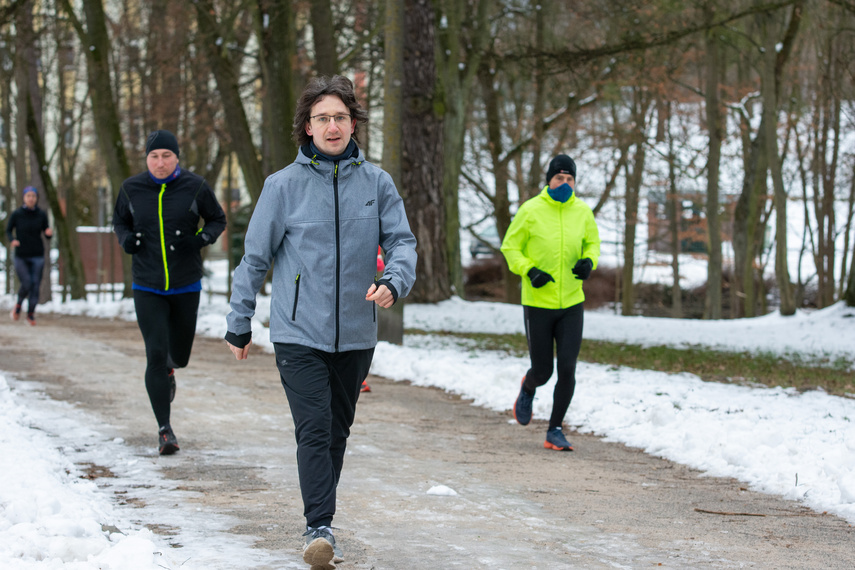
<point>296,297</point>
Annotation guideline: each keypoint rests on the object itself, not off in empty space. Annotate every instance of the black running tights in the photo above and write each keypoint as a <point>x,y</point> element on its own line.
<point>168,325</point>
<point>561,328</point>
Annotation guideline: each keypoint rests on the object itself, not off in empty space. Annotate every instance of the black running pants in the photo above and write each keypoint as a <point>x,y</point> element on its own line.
<point>29,270</point>
<point>168,326</point>
<point>322,389</point>
<point>562,329</point>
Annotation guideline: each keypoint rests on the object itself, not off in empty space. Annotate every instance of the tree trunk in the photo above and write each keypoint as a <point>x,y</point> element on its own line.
<point>535,178</point>
<point>770,110</point>
<point>849,294</point>
<point>226,78</point>
<point>390,323</point>
<point>633,190</point>
<point>715,127</point>
<point>674,209</point>
<point>9,201</point>
<point>278,46</point>
<point>393,81</point>
<point>69,247</point>
<point>422,154</point>
<point>105,114</point>
<point>323,34</point>
<point>453,50</point>
<point>501,202</point>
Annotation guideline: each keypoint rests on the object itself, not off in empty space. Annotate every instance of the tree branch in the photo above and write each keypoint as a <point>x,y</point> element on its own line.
<point>8,12</point>
<point>568,58</point>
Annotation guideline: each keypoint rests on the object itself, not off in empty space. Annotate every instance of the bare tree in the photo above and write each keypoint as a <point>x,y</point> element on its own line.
<point>715,128</point>
<point>422,154</point>
<point>105,115</point>
<point>459,47</point>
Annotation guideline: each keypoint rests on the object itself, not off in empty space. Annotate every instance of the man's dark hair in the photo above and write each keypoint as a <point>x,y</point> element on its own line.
<point>318,88</point>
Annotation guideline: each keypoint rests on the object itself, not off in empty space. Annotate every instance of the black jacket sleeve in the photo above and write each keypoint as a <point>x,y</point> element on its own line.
<point>123,218</point>
<point>212,213</point>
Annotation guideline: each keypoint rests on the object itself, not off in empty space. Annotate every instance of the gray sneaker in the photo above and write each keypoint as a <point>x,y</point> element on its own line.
<point>321,551</point>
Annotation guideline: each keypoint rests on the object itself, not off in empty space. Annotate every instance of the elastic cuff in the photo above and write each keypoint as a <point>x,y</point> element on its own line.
<point>238,340</point>
<point>390,287</point>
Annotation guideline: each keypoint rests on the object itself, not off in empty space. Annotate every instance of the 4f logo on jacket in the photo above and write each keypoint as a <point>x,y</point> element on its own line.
<point>369,202</point>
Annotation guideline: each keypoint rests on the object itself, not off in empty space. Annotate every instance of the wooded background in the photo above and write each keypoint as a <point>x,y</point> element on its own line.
<point>467,98</point>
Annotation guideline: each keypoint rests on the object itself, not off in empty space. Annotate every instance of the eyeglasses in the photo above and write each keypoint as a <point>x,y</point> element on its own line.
<point>324,120</point>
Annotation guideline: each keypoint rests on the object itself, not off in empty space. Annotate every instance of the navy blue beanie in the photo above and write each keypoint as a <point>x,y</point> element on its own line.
<point>561,164</point>
<point>161,139</point>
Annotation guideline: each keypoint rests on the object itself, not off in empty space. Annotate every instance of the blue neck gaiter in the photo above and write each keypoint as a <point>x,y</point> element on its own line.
<point>562,193</point>
<point>169,178</point>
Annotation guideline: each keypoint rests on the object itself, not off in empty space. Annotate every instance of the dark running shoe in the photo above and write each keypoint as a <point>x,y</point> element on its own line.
<point>16,313</point>
<point>31,320</point>
<point>167,443</point>
<point>522,407</point>
<point>172,385</point>
<point>321,551</point>
<point>555,440</point>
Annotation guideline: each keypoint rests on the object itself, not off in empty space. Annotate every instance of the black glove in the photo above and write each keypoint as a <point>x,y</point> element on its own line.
<point>132,243</point>
<point>190,244</point>
<point>582,269</point>
<point>539,278</point>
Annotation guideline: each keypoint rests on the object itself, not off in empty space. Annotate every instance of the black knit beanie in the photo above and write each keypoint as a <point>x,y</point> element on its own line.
<point>161,139</point>
<point>561,164</point>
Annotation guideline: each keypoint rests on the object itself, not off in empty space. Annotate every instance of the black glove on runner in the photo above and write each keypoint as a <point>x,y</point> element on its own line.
<point>132,243</point>
<point>539,278</point>
<point>190,244</point>
<point>582,269</point>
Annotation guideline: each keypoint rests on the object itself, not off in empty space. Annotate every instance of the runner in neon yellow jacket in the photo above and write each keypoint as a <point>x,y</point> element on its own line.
<point>552,236</point>
<point>554,244</point>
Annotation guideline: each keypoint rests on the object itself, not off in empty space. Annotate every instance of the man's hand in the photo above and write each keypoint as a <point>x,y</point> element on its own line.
<point>49,232</point>
<point>380,295</point>
<point>14,243</point>
<point>240,353</point>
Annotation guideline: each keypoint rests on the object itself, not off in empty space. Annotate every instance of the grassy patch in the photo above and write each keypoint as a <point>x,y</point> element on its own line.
<point>835,377</point>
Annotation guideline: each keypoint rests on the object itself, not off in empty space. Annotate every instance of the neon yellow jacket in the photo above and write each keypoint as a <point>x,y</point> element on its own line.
<point>551,236</point>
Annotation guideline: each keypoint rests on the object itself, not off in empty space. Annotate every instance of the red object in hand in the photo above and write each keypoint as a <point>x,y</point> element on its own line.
<point>380,264</point>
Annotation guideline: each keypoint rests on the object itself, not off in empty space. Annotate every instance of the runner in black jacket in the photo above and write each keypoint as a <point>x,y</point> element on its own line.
<point>24,230</point>
<point>156,219</point>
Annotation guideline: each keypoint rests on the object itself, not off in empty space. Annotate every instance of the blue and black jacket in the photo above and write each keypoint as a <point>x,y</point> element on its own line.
<point>167,217</point>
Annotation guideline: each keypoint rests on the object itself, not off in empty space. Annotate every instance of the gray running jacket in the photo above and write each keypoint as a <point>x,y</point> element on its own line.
<point>319,223</point>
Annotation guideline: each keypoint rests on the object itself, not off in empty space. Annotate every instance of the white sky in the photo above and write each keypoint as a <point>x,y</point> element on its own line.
<point>798,446</point>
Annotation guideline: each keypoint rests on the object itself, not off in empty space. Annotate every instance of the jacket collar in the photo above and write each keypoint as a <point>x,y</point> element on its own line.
<point>307,157</point>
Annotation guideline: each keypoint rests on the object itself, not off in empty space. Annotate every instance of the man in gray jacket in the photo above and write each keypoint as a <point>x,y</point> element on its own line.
<point>318,222</point>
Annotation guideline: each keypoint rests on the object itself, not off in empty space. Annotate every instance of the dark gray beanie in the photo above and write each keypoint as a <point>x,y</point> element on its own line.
<point>161,139</point>
<point>563,164</point>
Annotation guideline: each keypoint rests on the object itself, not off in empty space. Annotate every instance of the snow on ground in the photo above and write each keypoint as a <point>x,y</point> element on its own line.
<point>797,445</point>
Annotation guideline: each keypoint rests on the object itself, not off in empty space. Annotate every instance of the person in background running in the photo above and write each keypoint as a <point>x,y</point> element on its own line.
<point>26,226</point>
<point>156,220</point>
<point>554,244</point>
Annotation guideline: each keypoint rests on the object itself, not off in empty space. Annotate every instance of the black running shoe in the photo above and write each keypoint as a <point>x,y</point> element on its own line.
<point>167,443</point>
<point>171,384</point>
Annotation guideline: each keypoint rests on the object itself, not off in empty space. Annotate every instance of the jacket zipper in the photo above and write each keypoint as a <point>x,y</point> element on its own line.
<point>337,255</point>
<point>162,235</point>
<point>296,296</point>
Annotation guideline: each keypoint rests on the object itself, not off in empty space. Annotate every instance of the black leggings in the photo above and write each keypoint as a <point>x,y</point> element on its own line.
<point>29,270</point>
<point>563,328</point>
<point>168,326</point>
